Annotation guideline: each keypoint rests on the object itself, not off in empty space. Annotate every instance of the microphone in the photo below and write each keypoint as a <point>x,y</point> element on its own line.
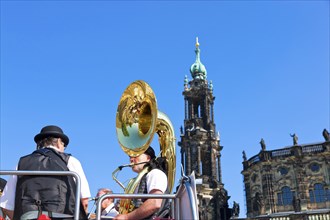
<point>126,165</point>
<point>93,198</point>
<point>131,165</point>
<point>120,168</point>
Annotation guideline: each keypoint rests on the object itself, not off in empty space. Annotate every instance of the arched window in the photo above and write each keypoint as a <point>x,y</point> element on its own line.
<point>285,196</point>
<point>283,171</point>
<point>257,203</point>
<point>319,194</point>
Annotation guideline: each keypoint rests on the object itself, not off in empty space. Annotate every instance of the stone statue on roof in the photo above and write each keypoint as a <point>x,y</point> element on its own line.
<point>244,155</point>
<point>263,145</point>
<point>326,135</point>
<point>295,139</point>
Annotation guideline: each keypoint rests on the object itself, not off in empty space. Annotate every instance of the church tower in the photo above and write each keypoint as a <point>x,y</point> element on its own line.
<point>200,143</point>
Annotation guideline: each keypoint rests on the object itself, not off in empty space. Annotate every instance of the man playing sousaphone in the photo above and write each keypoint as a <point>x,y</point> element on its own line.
<point>153,182</point>
<point>137,120</point>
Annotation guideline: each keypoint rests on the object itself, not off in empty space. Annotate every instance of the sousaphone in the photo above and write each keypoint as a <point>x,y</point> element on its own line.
<point>137,120</point>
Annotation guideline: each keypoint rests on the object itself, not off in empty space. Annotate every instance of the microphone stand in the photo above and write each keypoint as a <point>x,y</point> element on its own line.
<point>120,168</point>
<point>95,201</point>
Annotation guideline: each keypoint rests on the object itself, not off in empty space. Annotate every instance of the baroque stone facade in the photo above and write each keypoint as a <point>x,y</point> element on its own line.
<point>289,183</point>
<point>200,144</point>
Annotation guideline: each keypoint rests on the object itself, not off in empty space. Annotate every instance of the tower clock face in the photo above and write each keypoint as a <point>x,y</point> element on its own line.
<point>315,167</point>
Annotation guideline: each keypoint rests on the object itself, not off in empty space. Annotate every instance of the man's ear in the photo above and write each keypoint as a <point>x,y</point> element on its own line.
<point>148,157</point>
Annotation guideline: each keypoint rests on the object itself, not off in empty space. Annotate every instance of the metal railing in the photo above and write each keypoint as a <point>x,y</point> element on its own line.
<point>129,196</point>
<point>312,148</point>
<point>185,187</point>
<point>51,173</point>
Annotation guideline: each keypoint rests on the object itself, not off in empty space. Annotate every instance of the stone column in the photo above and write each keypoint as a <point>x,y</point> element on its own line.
<point>182,158</point>
<point>213,162</point>
<point>219,167</point>
<point>199,160</point>
<point>188,162</point>
<point>186,111</point>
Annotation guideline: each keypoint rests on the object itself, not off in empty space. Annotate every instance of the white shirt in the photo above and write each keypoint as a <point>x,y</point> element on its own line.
<point>7,200</point>
<point>156,179</point>
<point>110,211</point>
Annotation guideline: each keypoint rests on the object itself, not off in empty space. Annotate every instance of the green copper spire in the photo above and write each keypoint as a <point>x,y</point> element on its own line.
<point>197,69</point>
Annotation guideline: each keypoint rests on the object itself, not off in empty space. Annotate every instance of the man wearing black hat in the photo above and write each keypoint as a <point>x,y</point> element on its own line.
<point>153,182</point>
<point>2,186</point>
<point>28,197</point>
<point>3,183</point>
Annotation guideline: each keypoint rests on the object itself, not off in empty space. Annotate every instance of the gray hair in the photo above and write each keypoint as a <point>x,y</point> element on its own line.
<point>106,190</point>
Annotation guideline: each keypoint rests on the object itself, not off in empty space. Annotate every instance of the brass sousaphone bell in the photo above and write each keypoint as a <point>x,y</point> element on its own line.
<point>137,120</point>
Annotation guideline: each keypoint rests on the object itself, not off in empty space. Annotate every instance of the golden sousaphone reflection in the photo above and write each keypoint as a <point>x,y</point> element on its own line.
<point>137,120</point>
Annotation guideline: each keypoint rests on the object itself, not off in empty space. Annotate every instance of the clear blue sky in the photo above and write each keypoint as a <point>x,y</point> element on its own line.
<point>68,63</point>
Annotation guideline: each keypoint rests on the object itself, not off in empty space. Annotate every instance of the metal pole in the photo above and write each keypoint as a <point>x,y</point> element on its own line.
<point>191,199</point>
<point>129,196</point>
<point>51,173</point>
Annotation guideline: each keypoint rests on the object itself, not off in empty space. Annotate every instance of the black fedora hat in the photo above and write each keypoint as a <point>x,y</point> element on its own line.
<point>3,183</point>
<point>151,152</point>
<point>52,131</point>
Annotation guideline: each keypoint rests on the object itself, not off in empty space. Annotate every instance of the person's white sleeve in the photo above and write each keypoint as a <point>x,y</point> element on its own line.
<point>7,200</point>
<point>75,166</point>
<point>156,179</point>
